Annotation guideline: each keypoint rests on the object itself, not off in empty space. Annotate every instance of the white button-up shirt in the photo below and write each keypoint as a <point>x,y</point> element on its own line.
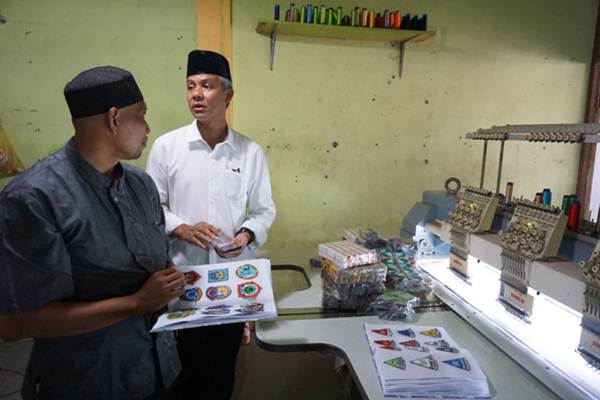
<point>227,187</point>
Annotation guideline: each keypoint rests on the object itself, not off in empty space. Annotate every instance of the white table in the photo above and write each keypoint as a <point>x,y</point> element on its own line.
<point>346,338</point>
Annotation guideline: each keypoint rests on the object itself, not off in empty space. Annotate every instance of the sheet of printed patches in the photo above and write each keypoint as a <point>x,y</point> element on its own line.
<point>226,288</point>
<point>408,351</point>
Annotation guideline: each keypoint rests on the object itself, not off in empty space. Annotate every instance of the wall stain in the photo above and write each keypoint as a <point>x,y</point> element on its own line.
<point>426,161</point>
<point>334,144</point>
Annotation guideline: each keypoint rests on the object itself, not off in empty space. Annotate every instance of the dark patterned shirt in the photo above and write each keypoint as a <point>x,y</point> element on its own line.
<point>70,233</point>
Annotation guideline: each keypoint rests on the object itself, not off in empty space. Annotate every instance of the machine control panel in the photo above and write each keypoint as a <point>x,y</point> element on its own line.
<point>475,210</point>
<point>591,268</point>
<point>535,230</point>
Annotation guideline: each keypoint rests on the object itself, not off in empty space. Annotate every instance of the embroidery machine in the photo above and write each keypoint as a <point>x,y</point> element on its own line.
<point>514,273</point>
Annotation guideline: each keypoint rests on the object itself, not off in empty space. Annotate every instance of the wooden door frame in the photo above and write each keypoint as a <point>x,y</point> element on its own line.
<point>587,157</point>
<point>214,32</point>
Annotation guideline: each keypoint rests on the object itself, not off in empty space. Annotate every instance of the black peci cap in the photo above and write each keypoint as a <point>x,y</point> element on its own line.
<point>98,89</point>
<point>207,62</point>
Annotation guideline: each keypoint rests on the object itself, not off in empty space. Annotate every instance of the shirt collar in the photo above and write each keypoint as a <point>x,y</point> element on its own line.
<point>193,135</point>
<point>88,172</point>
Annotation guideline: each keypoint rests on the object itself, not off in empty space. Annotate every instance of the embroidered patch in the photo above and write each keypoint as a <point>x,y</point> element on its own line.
<point>191,277</point>
<point>387,344</point>
<point>218,292</point>
<point>384,331</point>
<point>249,290</point>
<point>426,362</point>
<point>216,310</point>
<point>407,332</point>
<point>442,345</point>
<point>247,271</point>
<point>432,332</point>
<point>414,345</point>
<point>193,294</point>
<point>397,362</point>
<point>250,308</point>
<point>460,363</point>
<point>218,275</point>
<point>180,314</point>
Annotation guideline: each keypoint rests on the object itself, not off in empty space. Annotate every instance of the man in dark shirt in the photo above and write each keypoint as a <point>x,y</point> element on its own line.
<point>83,255</point>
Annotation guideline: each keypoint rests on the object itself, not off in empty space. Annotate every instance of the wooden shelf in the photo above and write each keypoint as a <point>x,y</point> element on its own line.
<point>272,28</point>
<point>266,27</point>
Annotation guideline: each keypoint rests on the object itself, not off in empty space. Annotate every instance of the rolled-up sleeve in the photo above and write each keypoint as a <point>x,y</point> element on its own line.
<point>157,171</point>
<point>261,208</point>
<point>35,267</point>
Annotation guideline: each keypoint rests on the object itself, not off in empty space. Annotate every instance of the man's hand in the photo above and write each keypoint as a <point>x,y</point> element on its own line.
<point>59,319</point>
<point>241,240</point>
<point>201,234</point>
<point>159,289</point>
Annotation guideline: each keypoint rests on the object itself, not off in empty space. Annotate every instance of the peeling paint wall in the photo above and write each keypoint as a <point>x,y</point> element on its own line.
<point>44,44</point>
<point>350,144</point>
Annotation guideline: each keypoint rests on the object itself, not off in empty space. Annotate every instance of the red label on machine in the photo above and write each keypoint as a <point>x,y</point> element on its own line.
<point>515,297</point>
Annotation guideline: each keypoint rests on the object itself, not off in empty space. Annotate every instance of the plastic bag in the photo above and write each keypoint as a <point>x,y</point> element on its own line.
<point>10,164</point>
<point>394,305</point>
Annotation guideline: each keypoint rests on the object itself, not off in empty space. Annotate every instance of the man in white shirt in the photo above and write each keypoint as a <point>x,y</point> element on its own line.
<point>214,185</point>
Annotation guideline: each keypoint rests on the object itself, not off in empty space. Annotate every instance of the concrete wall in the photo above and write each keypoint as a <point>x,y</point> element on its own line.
<point>491,63</point>
<point>349,142</point>
<point>44,44</point>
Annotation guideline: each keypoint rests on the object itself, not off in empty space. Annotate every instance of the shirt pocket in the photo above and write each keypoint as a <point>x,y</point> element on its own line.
<point>148,244</point>
<point>234,186</point>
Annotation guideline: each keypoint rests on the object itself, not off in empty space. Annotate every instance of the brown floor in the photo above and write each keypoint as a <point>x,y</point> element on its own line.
<point>261,374</point>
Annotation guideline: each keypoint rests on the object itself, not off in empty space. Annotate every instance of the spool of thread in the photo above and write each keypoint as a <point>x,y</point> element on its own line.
<point>372,19</point>
<point>509,192</point>
<point>309,14</point>
<point>323,15</point>
<point>364,18</point>
<point>581,264</point>
<point>330,13</point>
<point>547,196</point>
<point>302,14</point>
<point>276,12</point>
<point>353,16</point>
<point>338,16</point>
<point>539,198</point>
<point>397,19</point>
<point>574,210</point>
<point>386,18</point>
<point>566,202</point>
<point>292,10</point>
<point>316,15</point>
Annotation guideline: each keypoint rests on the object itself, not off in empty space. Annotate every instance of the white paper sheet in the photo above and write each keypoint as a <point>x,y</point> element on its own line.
<point>222,294</point>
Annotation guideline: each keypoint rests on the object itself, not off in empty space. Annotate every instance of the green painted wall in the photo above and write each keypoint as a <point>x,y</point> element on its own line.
<point>491,63</point>
<point>44,44</point>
